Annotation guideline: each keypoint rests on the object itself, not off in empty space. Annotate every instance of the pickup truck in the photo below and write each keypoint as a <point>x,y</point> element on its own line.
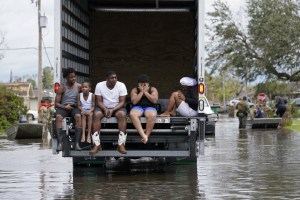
<point>162,38</point>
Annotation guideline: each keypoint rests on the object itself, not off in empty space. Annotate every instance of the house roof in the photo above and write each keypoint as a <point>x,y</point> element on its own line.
<point>23,89</point>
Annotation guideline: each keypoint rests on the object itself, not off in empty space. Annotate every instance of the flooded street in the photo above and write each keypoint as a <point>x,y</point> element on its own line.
<point>247,164</point>
<point>250,164</point>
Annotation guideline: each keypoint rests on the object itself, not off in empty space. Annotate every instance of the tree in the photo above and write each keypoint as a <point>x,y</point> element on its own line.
<point>268,46</point>
<point>215,87</point>
<point>273,89</point>
<point>48,77</point>
<point>32,81</point>
<point>17,79</point>
<point>11,106</point>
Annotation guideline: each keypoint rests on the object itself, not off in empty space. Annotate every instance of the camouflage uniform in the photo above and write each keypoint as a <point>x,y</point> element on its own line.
<point>50,113</point>
<point>242,113</point>
<point>43,115</point>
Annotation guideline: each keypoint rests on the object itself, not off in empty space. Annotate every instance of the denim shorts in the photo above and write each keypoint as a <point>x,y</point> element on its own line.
<point>143,110</point>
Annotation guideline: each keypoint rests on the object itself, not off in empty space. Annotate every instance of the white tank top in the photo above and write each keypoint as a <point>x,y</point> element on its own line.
<point>86,104</point>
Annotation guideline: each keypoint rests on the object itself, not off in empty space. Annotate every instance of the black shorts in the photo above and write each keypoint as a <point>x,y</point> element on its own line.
<point>98,109</point>
<point>65,113</point>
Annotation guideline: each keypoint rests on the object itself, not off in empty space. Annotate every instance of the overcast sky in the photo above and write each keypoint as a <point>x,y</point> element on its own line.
<point>19,24</point>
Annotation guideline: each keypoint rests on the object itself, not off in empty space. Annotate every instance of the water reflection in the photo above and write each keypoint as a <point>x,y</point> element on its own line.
<point>237,164</point>
<point>32,172</point>
<point>250,164</point>
<point>28,170</point>
<point>170,182</point>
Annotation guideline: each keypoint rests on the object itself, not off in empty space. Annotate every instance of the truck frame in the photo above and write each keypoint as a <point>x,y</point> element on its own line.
<point>93,36</point>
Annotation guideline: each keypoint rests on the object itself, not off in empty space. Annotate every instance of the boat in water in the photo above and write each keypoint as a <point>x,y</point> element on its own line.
<point>25,131</point>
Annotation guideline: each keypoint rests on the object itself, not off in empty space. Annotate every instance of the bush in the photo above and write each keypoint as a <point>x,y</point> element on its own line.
<point>295,111</point>
<point>11,106</point>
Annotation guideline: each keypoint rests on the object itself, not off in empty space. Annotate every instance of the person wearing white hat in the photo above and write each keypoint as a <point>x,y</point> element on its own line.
<point>183,101</point>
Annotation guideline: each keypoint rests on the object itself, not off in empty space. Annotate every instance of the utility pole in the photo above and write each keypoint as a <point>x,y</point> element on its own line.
<point>224,93</point>
<point>40,69</point>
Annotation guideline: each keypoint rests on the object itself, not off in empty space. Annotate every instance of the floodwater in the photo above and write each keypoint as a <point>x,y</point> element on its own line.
<point>247,164</point>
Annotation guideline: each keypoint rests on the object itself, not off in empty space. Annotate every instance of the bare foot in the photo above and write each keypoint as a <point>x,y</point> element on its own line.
<point>82,138</point>
<point>144,139</point>
<point>165,114</point>
<point>88,140</point>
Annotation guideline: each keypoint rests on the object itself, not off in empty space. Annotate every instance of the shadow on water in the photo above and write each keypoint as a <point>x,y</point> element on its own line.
<point>139,181</point>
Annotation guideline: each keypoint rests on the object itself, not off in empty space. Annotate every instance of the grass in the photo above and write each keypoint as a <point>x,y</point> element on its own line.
<point>3,135</point>
<point>295,126</point>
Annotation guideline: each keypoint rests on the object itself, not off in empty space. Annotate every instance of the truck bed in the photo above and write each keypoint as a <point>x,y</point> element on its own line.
<point>171,137</point>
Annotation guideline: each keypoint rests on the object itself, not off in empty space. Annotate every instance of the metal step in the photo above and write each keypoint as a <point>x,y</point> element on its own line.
<point>133,153</point>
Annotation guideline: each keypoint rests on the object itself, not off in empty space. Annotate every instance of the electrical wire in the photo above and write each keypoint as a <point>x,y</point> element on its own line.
<point>22,48</point>
<point>47,53</point>
<point>31,48</point>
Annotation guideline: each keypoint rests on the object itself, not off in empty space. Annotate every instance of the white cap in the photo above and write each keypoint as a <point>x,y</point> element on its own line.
<point>187,81</point>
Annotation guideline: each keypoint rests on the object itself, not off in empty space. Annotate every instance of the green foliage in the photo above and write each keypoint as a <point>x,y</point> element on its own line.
<point>4,124</point>
<point>267,45</point>
<point>11,106</point>
<point>32,81</point>
<point>273,88</point>
<point>295,126</point>
<point>295,111</point>
<point>216,90</point>
<point>48,77</point>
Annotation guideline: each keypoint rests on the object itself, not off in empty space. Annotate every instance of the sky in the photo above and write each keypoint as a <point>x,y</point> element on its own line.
<point>19,24</point>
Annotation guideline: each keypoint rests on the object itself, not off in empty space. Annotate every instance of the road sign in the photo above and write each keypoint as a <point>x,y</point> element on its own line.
<point>261,97</point>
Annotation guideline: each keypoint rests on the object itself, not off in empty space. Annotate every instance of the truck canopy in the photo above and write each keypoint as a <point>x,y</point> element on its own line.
<point>130,37</point>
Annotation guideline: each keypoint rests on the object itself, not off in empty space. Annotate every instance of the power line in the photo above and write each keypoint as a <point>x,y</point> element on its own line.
<point>31,48</point>
<point>24,48</point>
<point>46,53</point>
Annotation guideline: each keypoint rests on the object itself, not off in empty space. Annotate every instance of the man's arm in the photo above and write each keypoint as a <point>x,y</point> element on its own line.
<point>79,87</point>
<point>58,96</point>
<point>153,97</point>
<point>99,102</point>
<point>135,97</point>
<point>79,103</point>
<point>122,101</point>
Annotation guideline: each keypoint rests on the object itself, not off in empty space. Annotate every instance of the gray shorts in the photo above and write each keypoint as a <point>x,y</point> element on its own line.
<point>66,113</point>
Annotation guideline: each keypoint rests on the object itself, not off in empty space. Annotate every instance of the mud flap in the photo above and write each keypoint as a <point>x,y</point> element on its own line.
<point>66,147</point>
<point>192,133</point>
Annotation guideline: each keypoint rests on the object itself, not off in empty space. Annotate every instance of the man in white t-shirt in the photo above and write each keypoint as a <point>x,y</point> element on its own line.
<point>110,101</point>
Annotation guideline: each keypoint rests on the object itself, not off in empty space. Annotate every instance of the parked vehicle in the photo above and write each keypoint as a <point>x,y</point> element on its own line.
<point>32,115</point>
<point>296,102</point>
<point>164,40</point>
<point>233,102</point>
